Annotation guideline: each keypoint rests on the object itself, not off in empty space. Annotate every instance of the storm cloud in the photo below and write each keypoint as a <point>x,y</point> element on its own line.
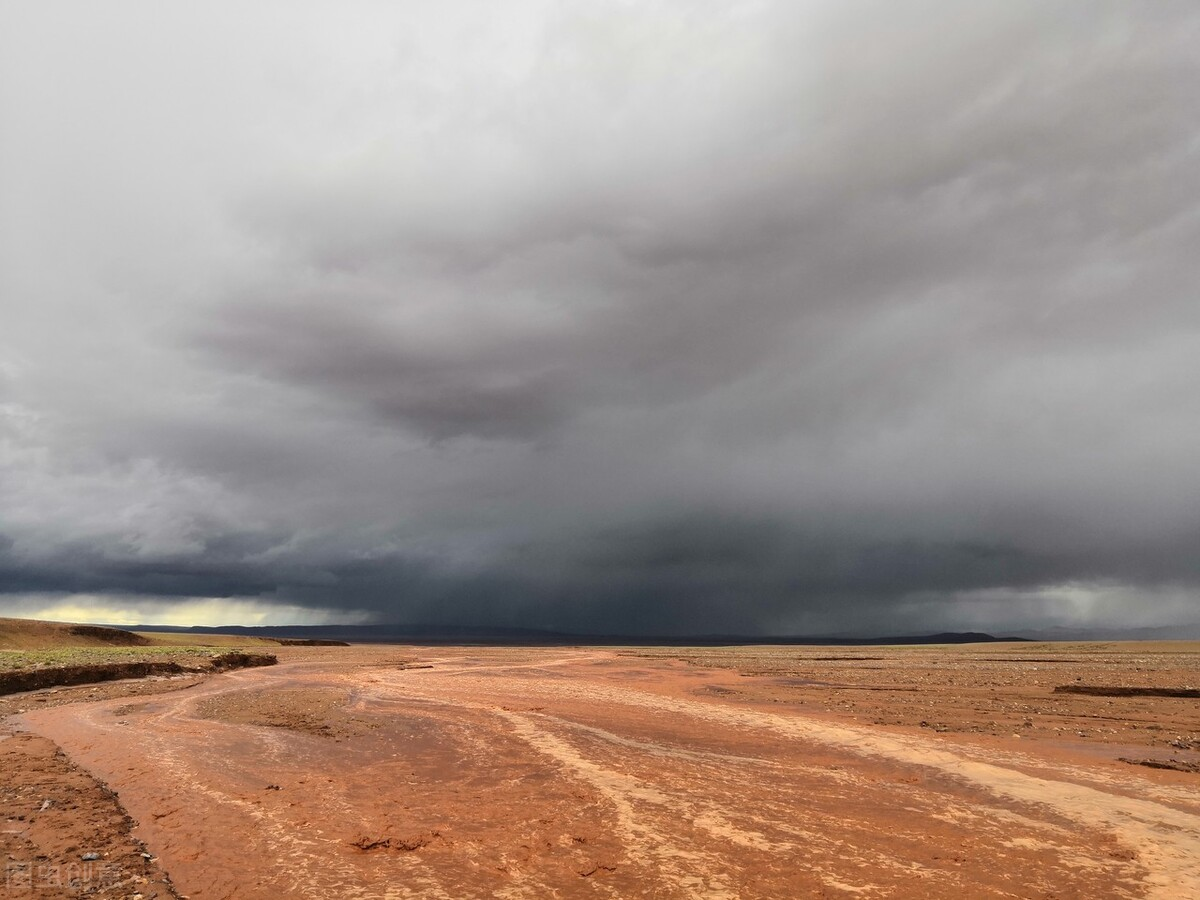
<point>645,318</point>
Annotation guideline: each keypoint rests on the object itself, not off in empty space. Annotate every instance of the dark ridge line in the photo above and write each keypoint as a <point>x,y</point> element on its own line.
<point>435,634</point>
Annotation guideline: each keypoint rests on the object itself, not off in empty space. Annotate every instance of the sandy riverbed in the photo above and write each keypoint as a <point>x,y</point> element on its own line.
<point>461,772</point>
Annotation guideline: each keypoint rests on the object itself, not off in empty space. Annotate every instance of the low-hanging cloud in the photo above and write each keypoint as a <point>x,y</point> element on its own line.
<point>681,318</point>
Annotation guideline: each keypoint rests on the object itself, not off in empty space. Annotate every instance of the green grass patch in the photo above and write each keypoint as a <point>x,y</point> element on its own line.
<point>178,639</point>
<point>18,660</point>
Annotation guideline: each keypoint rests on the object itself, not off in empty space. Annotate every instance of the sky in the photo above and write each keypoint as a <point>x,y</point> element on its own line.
<point>621,317</point>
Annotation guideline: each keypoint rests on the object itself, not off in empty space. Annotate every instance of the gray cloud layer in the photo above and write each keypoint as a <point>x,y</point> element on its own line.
<point>657,318</point>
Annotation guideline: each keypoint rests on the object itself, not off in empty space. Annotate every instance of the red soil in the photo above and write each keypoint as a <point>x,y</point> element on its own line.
<point>542,772</point>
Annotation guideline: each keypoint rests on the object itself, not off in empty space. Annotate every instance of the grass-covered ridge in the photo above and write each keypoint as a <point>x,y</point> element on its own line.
<point>14,660</point>
<point>27,644</point>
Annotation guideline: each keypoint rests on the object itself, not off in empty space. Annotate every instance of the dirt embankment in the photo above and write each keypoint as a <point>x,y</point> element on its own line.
<point>65,834</point>
<point>31,634</point>
<point>63,676</point>
<point>238,660</point>
<point>1101,690</point>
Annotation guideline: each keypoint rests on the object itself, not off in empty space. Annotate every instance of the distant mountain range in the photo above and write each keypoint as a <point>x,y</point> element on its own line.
<point>1188,632</point>
<point>465,634</point>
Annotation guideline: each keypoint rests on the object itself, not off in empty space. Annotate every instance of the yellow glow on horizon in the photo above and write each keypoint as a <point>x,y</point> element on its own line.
<point>206,611</point>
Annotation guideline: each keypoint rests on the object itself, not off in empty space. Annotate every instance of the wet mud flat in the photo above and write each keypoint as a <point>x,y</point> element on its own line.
<point>747,772</point>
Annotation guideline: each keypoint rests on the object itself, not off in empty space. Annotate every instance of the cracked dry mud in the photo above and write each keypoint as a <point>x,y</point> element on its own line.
<point>591,772</point>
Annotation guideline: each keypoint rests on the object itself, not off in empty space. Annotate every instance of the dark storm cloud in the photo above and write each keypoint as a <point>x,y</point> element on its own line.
<point>732,317</point>
<point>443,392</point>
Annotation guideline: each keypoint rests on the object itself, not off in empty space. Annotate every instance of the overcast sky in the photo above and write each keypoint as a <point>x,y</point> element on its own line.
<point>642,317</point>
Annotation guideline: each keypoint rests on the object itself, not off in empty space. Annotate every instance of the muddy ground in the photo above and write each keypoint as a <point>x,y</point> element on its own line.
<point>64,835</point>
<point>748,772</point>
<point>1030,691</point>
